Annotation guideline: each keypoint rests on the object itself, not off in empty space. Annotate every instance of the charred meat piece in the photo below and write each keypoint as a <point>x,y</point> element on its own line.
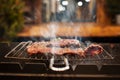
<point>41,48</point>
<point>64,43</point>
<point>32,49</point>
<point>59,43</point>
<point>54,51</point>
<point>77,51</point>
<point>48,46</point>
<point>93,49</point>
<point>37,47</point>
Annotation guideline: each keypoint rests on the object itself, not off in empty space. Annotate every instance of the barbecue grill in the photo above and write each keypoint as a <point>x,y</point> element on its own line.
<point>20,63</point>
<point>19,52</point>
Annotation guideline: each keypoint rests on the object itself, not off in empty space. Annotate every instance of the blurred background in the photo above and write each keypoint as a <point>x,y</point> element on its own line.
<point>35,20</point>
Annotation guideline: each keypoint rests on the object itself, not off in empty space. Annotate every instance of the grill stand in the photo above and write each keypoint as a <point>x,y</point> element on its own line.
<point>19,52</point>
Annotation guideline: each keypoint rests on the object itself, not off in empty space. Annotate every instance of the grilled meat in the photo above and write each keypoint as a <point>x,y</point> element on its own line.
<point>55,51</point>
<point>93,49</point>
<point>64,43</point>
<point>38,47</point>
<point>57,47</point>
<point>63,47</point>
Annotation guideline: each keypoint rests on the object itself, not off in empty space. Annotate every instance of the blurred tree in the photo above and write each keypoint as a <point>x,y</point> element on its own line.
<point>11,18</point>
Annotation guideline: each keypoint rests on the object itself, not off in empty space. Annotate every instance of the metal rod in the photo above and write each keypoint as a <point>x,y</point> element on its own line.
<point>25,43</point>
<point>108,54</point>
<point>13,49</point>
<point>24,50</point>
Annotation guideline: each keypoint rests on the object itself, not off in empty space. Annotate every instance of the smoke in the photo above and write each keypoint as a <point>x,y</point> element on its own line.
<point>53,29</point>
<point>50,31</point>
<point>69,15</point>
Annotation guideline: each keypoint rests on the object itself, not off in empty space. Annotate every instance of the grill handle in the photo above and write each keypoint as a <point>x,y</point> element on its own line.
<point>57,68</point>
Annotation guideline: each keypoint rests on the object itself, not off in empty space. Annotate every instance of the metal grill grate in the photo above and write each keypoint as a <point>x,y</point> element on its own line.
<point>19,52</point>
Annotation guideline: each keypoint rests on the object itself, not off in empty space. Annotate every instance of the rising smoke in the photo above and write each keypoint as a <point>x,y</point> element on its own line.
<point>69,15</point>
